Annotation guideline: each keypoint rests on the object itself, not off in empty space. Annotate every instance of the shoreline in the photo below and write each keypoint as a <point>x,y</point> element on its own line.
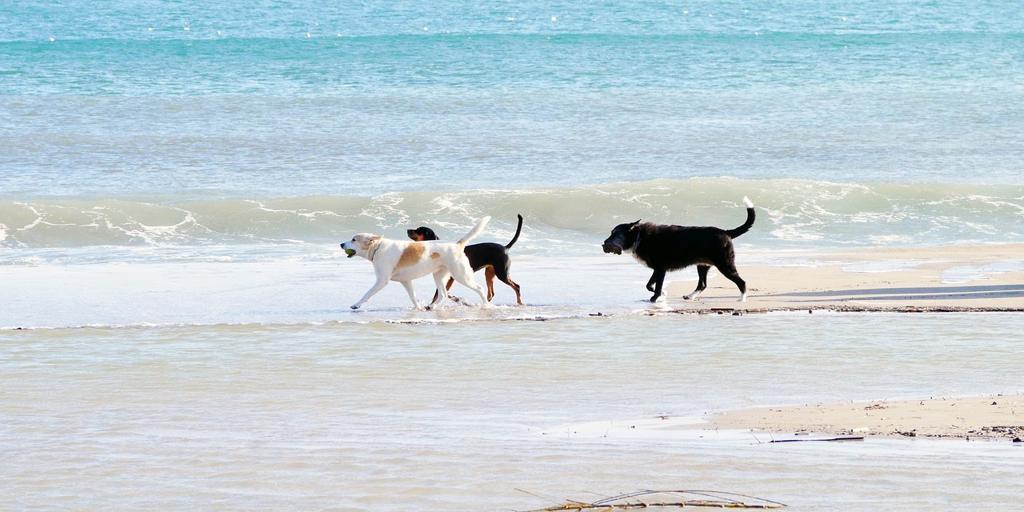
<point>839,308</point>
<point>829,309</point>
<point>939,279</point>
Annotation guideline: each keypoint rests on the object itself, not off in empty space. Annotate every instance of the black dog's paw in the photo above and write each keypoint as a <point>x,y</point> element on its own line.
<point>655,299</point>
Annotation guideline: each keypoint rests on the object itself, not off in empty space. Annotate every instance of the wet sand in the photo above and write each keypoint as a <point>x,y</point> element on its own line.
<point>959,278</point>
<point>970,418</point>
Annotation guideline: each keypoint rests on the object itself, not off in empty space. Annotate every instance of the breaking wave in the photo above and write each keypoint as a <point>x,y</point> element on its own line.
<point>791,212</point>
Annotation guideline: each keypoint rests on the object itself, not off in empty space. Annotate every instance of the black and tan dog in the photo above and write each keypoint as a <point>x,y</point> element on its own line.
<point>490,256</point>
<point>664,248</point>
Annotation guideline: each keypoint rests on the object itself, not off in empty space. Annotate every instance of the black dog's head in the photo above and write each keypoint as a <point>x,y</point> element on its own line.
<point>622,238</point>
<point>421,234</point>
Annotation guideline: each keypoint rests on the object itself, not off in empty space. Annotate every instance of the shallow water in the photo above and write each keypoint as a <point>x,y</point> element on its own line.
<point>458,417</point>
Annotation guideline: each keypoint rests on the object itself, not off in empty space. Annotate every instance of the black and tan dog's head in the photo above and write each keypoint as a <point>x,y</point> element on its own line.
<point>622,238</point>
<point>421,234</point>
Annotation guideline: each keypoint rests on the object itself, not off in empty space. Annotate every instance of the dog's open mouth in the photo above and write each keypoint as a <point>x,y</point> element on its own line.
<point>611,248</point>
<point>350,252</point>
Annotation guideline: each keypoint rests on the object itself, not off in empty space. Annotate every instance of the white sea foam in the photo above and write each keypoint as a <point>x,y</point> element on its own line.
<point>790,213</point>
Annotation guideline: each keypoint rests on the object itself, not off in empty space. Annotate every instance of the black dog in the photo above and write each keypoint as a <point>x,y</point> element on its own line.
<point>492,256</point>
<point>664,248</point>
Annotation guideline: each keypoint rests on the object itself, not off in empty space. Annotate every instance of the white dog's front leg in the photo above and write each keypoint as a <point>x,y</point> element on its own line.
<point>382,281</point>
<point>412,294</point>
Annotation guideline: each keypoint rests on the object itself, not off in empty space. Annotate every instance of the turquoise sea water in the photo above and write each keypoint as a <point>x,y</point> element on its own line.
<point>370,97</point>
<point>167,123</point>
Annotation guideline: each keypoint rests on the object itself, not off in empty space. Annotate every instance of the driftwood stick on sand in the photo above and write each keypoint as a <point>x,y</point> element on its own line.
<point>671,499</point>
<point>819,439</point>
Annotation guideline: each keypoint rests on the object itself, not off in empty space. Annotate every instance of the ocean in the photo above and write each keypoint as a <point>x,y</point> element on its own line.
<point>175,180</point>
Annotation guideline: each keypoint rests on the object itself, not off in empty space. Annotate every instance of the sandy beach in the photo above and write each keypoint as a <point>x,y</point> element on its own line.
<point>959,278</point>
<point>969,418</point>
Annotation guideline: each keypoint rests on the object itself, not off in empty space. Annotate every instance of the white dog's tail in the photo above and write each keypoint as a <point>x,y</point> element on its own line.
<point>475,232</point>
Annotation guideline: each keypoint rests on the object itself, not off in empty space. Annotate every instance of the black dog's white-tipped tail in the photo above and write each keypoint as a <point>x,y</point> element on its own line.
<point>475,232</point>
<point>733,233</point>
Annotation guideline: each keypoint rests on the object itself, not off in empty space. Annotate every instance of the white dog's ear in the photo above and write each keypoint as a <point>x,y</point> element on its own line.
<point>373,240</point>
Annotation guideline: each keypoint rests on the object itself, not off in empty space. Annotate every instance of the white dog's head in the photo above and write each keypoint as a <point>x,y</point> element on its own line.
<point>362,245</point>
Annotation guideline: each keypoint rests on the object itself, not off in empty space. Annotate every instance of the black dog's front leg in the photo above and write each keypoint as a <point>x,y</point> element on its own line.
<point>659,280</point>
<point>652,281</point>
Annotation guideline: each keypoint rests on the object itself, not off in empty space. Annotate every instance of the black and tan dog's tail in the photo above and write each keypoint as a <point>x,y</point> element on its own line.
<point>733,233</point>
<point>519,229</point>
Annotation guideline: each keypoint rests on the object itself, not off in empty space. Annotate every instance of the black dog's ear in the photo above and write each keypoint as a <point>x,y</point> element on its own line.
<point>635,223</point>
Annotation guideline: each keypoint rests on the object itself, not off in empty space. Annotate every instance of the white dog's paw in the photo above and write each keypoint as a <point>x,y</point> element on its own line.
<point>487,305</point>
<point>743,298</point>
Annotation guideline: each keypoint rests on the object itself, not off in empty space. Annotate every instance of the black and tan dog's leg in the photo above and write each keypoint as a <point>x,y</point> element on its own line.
<point>702,281</point>
<point>502,276</point>
<point>489,278</point>
<point>659,280</point>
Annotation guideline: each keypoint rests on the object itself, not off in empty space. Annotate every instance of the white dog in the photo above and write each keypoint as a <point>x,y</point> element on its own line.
<point>403,261</point>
